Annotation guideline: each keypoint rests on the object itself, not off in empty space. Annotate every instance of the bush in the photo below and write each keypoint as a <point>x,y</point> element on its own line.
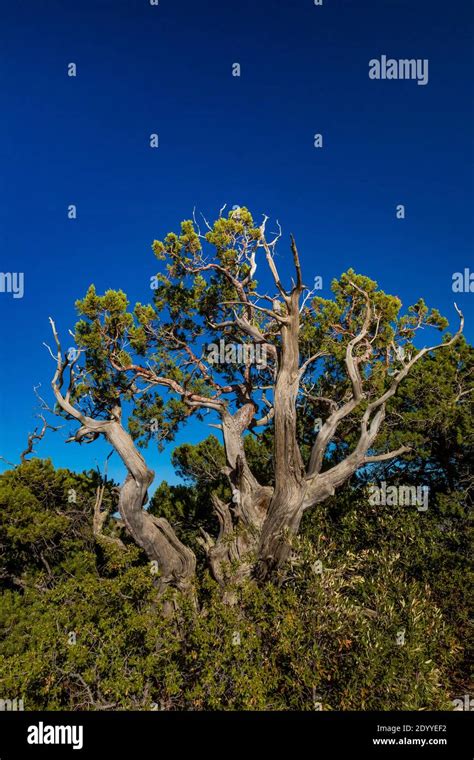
<point>355,622</point>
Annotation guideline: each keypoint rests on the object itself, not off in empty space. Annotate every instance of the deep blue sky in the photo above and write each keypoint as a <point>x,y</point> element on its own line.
<point>245,141</point>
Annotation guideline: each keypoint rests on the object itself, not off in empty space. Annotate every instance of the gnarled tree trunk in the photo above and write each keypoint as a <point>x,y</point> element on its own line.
<point>232,557</point>
<point>176,562</point>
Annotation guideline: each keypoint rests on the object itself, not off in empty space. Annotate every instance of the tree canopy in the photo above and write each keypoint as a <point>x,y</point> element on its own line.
<point>267,578</point>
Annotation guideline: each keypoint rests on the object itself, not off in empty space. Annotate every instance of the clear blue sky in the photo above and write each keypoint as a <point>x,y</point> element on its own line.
<point>223,139</point>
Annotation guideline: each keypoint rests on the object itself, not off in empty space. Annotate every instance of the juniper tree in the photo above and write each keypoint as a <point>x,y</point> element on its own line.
<point>138,374</point>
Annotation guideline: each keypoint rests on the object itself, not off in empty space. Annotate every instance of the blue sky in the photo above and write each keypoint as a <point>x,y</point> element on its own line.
<point>244,140</point>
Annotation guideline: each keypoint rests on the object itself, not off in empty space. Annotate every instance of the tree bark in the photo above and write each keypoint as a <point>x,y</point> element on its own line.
<point>176,563</point>
<point>233,555</point>
<point>285,510</point>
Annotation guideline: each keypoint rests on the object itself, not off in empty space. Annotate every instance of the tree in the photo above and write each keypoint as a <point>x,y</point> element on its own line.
<point>212,343</point>
<point>48,527</point>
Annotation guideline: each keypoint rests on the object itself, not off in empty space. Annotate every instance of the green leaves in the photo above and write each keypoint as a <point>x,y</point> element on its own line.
<point>327,636</point>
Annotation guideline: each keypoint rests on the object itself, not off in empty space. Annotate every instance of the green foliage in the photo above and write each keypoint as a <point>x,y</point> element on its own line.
<point>91,633</point>
<point>328,638</point>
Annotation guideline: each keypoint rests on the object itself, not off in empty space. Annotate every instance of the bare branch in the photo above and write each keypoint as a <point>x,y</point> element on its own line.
<point>270,260</point>
<point>387,455</point>
<point>351,363</point>
<point>406,369</point>
<point>296,260</point>
<point>311,359</point>
<point>269,312</point>
<point>35,436</point>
